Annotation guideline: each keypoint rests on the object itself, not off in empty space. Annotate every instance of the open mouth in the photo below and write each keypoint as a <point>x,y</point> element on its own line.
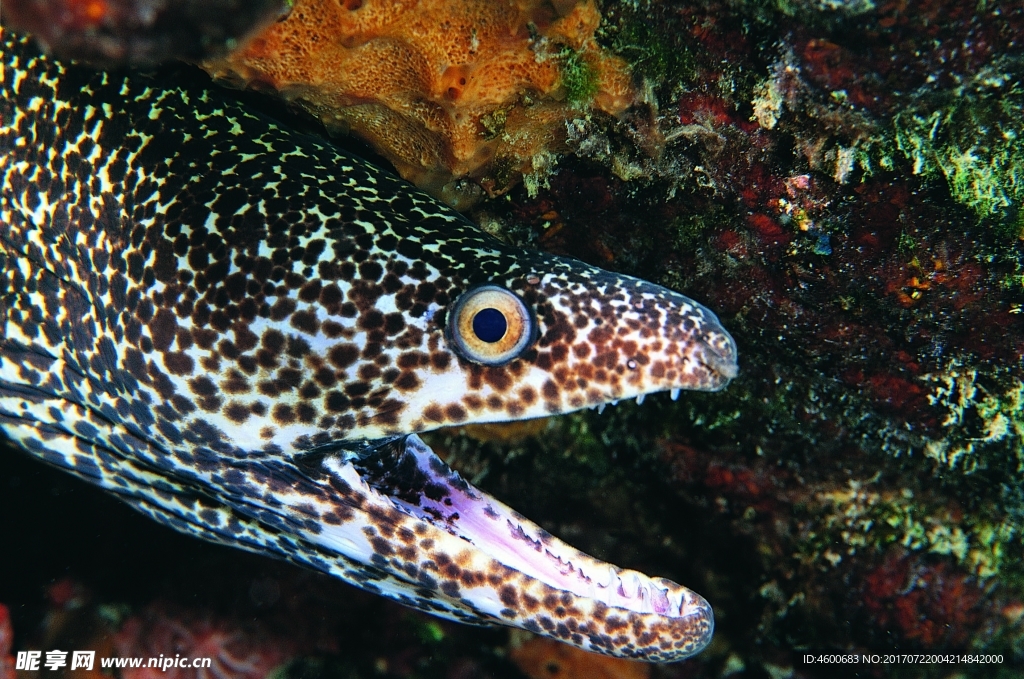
<point>555,589</point>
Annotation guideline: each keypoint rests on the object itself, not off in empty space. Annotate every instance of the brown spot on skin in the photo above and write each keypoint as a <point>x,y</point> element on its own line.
<point>543,361</point>
<point>407,381</point>
<point>509,596</point>
<point>470,579</point>
<point>228,349</point>
<point>343,355</point>
<point>337,402</point>
<point>163,328</point>
<point>182,404</point>
<point>411,360</point>
<point>357,389</point>
<point>184,338</point>
<point>388,413</point>
<point>283,414</point>
<point>236,412</point>
<point>310,292</point>
<point>245,339</point>
<point>178,363</point>
<point>282,309</point>
<point>203,386</point>
<point>394,323</point>
<point>602,334</point>
<point>614,624</point>
<point>210,364</point>
<point>455,412</point>
<point>433,413</point>
<point>306,413</point>
<point>236,383</point>
<point>332,329</point>
<point>305,321</point>
<point>368,372</point>
<point>381,546</point>
<point>498,378</point>
<point>549,390</point>
<point>325,377</point>
<point>204,338</point>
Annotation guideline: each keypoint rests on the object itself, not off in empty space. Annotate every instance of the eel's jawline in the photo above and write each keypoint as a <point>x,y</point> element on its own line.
<point>600,607</point>
<point>517,542</point>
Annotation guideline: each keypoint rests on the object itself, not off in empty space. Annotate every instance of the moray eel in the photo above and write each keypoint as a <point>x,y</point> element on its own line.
<point>239,330</point>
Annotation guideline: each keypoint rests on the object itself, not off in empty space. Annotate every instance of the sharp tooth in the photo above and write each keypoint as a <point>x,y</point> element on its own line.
<point>674,394</point>
<point>659,599</point>
<point>600,408</point>
<point>608,579</point>
<point>615,402</point>
<point>676,603</point>
<point>629,586</point>
<point>640,399</point>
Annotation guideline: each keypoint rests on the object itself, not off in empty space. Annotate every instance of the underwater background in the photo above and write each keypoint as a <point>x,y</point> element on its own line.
<point>841,182</point>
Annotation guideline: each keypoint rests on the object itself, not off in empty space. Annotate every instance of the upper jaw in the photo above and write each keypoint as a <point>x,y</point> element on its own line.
<point>719,356</point>
<point>439,537</point>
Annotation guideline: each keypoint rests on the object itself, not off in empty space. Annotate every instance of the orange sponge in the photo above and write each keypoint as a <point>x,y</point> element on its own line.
<point>444,89</point>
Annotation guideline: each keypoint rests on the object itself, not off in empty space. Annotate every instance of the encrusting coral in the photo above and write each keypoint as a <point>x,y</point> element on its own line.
<point>444,89</point>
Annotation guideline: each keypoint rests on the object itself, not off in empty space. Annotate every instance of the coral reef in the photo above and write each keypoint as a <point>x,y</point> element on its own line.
<point>140,32</point>
<point>844,190</point>
<point>444,89</point>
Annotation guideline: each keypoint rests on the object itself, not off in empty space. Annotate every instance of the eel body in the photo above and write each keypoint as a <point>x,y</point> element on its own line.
<point>239,330</point>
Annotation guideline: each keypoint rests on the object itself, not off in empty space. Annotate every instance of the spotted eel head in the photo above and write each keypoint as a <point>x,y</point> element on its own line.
<point>589,337</point>
<point>406,355</point>
<point>239,329</point>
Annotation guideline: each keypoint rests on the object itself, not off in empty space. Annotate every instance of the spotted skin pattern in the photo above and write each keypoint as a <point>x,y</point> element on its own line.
<point>238,329</point>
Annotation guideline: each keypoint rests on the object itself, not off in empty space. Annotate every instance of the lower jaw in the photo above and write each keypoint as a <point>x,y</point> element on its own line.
<point>477,557</point>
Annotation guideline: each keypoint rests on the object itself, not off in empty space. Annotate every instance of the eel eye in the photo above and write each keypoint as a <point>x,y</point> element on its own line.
<point>490,325</point>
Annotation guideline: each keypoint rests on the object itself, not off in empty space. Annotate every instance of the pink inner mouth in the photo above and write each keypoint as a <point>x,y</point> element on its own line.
<point>422,485</point>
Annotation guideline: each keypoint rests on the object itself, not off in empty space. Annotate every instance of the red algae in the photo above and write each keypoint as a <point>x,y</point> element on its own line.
<point>235,650</point>
<point>6,643</point>
<point>930,603</point>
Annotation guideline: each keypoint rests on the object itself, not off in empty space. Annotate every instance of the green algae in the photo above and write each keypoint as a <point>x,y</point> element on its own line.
<point>863,516</point>
<point>651,53</point>
<point>971,139</point>
<point>983,419</point>
<point>578,78</point>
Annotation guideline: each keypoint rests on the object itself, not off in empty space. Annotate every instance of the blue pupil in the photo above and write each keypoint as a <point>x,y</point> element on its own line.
<point>489,325</point>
